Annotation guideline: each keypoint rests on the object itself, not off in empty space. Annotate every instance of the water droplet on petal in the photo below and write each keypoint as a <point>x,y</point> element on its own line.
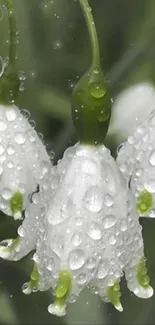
<point>11,114</point>
<point>150,185</point>
<point>3,126</point>
<point>109,221</point>
<point>25,113</point>
<point>93,199</point>
<point>81,278</point>
<point>76,239</point>
<point>20,138</point>
<point>1,170</point>
<point>10,150</point>
<point>103,269</point>
<point>26,289</point>
<point>21,231</point>
<point>112,240</point>
<point>91,263</point>
<point>72,298</point>
<point>6,193</point>
<point>76,259</point>
<point>152,158</point>
<point>94,231</point>
<point>108,200</point>
<point>152,213</point>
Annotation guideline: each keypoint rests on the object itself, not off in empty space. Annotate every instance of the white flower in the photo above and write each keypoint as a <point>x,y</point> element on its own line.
<point>21,157</point>
<point>130,108</point>
<point>136,159</point>
<point>85,231</point>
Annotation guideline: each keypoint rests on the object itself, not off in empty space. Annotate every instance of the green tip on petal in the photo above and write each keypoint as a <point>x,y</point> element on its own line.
<point>91,108</point>
<point>144,202</point>
<point>33,284</point>
<point>63,288</point>
<point>142,277</point>
<point>16,202</point>
<point>114,295</point>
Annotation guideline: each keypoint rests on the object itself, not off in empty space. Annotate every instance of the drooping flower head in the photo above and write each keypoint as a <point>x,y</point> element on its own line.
<point>136,159</point>
<point>85,231</point>
<point>22,155</point>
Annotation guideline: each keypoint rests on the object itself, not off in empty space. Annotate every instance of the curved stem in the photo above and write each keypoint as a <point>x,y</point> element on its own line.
<point>87,11</point>
<point>13,32</point>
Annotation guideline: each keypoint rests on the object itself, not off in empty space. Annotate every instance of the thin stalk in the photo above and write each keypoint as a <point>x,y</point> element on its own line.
<point>87,11</point>
<point>12,31</point>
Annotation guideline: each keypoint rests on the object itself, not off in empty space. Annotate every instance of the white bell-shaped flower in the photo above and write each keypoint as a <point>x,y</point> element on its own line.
<point>85,230</point>
<point>136,159</point>
<point>21,157</point>
<point>129,110</point>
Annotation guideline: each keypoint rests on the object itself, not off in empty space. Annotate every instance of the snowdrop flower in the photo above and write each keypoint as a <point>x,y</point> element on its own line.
<point>21,157</point>
<point>136,159</point>
<point>129,110</point>
<point>85,231</point>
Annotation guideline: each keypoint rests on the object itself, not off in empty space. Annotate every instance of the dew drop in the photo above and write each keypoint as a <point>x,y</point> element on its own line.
<point>3,126</point>
<point>21,231</point>
<point>31,134</point>
<point>91,263</point>
<point>26,289</point>
<point>112,240</point>
<point>10,150</point>
<point>108,200</point>
<point>1,170</point>
<point>95,290</point>
<point>152,158</point>
<point>6,193</point>
<point>36,258</point>
<point>150,185</point>
<point>152,213</point>
<point>76,239</point>
<point>25,113</point>
<point>76,259</point>
<point>22,76</point>
<point>11,114</point>
<point>10,164</point>
<point>81,278</point>
<point>123,225</point>
<point>79,222</point>
<point>57,45</point>
<point>50,265</point>
<point>97,90</point>
<point>72,298</point>
<point>94,231</point>
<point>119,148</point>
<point>20,138</point>
<point>109,221</point>
<point>103,269</point>
<point>93,199</point>
<point>32,123</point>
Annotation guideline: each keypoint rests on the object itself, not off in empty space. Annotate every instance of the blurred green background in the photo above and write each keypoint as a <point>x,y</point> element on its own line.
<point>53,53</point>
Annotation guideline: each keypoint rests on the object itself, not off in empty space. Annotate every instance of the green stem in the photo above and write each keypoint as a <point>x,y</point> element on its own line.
<point>13,32</point>
<point>9,81</point>
<point>87,11</point>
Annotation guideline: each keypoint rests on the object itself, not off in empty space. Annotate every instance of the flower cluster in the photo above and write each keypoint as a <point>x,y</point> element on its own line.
<point>85,230</point>
<point>136,159</point>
